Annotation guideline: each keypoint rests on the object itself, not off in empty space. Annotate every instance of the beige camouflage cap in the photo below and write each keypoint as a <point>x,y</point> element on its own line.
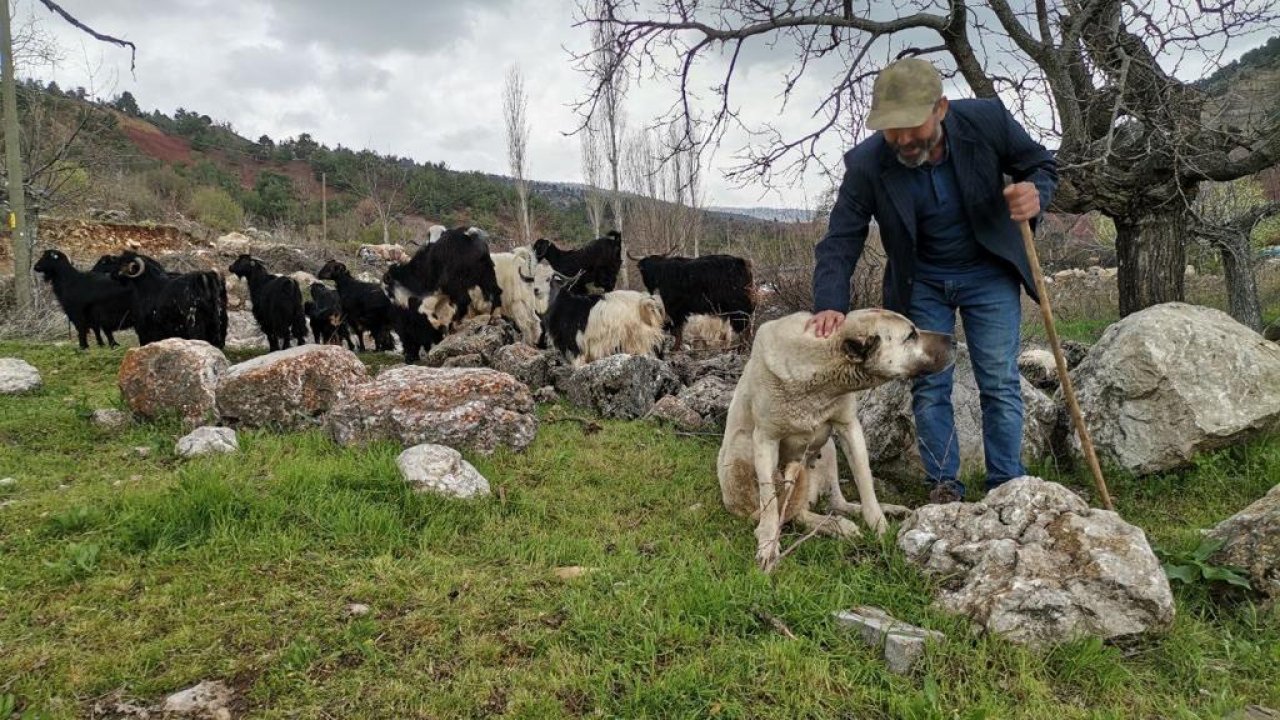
<point>904,94</point>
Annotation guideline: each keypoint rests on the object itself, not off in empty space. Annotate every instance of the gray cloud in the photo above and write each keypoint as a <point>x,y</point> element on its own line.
<point>378,26</point>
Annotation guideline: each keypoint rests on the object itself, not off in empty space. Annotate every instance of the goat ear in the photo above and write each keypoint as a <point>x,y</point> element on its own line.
<point>859,348</point>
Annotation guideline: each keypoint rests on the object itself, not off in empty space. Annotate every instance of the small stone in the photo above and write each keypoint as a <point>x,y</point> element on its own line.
<point>109,418</point>
<point>142,451</point>
<point>357,610</point>
<point>7,482</point>
<point>545,394</point>
<point>206,440</point>
<point>208,699</point>
<point>439,469</point>
<point>903,644</point>
<point>17,376</point>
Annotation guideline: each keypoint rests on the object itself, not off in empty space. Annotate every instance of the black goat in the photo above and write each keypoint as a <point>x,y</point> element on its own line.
<point>90,300</point>
<point>416,333</point>
<point>324,311</point>
<point>364,305</point>
<point>719,285</point>
<point>592,268</point>
<point>191,305</point>
<point>277,302</point>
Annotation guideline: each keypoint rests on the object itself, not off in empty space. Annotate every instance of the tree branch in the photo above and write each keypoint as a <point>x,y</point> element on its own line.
<point>133,49</point>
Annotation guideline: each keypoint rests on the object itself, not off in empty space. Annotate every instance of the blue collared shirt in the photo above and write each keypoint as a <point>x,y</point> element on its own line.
<point>945,241</point>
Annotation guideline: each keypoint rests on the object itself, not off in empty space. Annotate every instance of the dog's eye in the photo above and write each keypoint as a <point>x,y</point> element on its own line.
<point>913,334</point>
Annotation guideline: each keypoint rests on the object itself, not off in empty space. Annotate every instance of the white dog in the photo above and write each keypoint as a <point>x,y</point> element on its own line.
<point>795,393</point>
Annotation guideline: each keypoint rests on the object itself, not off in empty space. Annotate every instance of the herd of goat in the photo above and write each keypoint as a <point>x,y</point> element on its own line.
<point>561,298</point>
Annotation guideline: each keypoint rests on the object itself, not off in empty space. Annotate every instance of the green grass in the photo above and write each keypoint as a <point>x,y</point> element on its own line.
<point>144,575</point>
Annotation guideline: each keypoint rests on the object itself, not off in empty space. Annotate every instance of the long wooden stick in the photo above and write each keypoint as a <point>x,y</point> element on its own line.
<point>1077,418</point>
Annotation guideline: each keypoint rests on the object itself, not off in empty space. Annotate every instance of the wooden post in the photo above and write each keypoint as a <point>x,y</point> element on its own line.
<point>1068,392</point>
<point>17,219</point>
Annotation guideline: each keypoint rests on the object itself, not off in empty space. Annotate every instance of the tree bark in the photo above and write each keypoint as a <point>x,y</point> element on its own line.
<point>1152,255</point>
<point>1242,285</point>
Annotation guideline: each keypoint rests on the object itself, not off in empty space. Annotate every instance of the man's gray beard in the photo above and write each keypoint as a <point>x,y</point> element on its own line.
<point>924,156</point>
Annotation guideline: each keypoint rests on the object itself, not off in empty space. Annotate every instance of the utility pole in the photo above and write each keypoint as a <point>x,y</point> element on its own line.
<point>324,210</point>
<point>17,220</point>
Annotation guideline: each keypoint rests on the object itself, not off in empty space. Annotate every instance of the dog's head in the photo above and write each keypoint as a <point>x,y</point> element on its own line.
<point>880,345</point>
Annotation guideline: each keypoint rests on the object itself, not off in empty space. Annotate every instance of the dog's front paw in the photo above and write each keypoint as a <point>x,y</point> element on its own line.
<point>875,520</point>
<point>897,512</point>
<point>767,555</point>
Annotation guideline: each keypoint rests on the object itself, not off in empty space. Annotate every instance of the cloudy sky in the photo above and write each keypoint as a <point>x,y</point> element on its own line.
<point>420,79</point>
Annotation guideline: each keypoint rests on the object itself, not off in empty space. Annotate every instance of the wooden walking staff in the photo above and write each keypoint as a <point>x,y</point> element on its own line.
<point>1077,419</point>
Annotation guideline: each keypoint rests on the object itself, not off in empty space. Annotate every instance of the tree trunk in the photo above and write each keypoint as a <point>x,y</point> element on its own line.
<point>1152,254</point>
<point>1242,285</point>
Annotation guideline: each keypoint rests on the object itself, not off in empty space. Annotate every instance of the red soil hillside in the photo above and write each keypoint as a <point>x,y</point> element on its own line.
<point>153,142</point>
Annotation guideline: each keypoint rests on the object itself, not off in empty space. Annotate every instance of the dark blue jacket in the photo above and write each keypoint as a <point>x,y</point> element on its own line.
<point>985,142</point>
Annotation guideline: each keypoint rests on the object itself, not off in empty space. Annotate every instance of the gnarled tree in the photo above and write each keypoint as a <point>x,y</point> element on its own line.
<point>1098,78</point>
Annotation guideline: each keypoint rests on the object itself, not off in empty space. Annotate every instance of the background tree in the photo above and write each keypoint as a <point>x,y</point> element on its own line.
<point>382,181</point>
<point>125,103</point>
<point>591,174</point>
<point>606,64</point>
<point>514,109</point>
<point>1133,141</point>
<point>1225,216</point>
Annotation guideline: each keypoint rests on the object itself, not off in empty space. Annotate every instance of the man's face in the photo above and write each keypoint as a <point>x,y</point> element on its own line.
<point>913,146</point>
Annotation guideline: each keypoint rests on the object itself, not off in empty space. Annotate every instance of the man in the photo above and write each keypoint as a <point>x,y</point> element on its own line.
<point>932,180</point>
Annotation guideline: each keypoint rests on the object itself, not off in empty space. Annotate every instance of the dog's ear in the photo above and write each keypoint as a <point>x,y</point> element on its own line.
<point>859,348</point>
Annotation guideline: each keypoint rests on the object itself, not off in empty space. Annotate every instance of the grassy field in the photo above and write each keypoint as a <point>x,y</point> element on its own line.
<point>131,576</point>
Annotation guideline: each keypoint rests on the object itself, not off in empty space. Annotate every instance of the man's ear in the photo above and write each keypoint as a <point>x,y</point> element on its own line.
<point>859,348</point>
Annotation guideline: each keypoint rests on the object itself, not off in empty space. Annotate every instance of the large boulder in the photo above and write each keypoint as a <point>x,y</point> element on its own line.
<point>288,388</point>
<point>173,376</point>
<point>1251,541</point>
<point>17,376</point>
<point>441,470</point>
<point>243,332</point>
<point>709,397</point>
<point>477,336</point>
<point>473,408</point>
<point>1175,380</point>
<point>890,426</point>
<point>621,386</point>
<point>691,367</point>
<point>524,362</point>
<point>1034,563</point>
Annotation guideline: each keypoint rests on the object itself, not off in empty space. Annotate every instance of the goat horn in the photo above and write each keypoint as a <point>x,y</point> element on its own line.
<point>133,268</point>
<point>633,258</point>
<point>526,278</point>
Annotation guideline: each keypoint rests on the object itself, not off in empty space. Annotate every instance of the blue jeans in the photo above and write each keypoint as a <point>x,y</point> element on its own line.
<point>989,301</point>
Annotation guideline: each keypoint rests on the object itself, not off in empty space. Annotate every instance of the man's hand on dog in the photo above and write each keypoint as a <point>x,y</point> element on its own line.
<point>825,322</point>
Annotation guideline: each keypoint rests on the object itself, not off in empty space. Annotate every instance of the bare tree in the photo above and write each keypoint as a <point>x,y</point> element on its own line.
<point>591,171</point>
<point>23,239</point>
<point>663,179</point>
<point>1225,215</point>
<point>1134,142</point>
<point>606,63</point>
<point>514,106</point>
<point>383,182</point>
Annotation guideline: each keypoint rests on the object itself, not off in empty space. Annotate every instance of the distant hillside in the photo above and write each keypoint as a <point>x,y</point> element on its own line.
<point>1266,57</point>
<point>765,213</point>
